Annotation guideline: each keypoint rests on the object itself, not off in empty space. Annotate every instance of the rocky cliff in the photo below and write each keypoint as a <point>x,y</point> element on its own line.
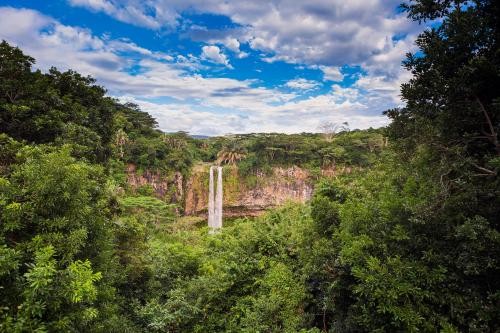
<point>248,195</point>
<point>167,187</point>
<point>251,195</point>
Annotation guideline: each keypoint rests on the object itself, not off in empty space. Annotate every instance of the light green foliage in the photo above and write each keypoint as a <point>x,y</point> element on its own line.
<point>246,266</point>
<point>8,151</point>
<point>47,289</point>
<point>261,151</point>
<point>278,303</point>
<point>141,144</point>
<point>54,212</point>
<point>82,281</point>
<point>150,208</point>
<point>393,263</point>
<point>9,261</point>
<point>48,193</point>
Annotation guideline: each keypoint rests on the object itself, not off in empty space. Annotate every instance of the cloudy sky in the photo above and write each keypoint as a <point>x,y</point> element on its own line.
<point>232,66</point>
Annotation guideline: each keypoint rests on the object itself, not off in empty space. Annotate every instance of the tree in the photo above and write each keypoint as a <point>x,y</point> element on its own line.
<point>15,69</point>
<point>40,108</point>
<point>409,246</point>
<point>121,139</point>
<point>177,141</point>
<point>329,129</point>
<point>230,154</point>
<point>452,100</point>
<point>54,236</point>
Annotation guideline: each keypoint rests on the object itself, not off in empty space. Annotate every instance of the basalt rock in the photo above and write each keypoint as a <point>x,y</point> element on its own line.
<point>243,199</point>
<point>248,195</point>
<point>167,187</point>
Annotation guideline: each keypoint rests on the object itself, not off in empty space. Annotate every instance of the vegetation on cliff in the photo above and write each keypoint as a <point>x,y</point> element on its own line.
<point>410,243</point>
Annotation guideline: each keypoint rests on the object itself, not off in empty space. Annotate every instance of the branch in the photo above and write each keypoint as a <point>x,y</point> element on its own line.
<point>487,171</point>
<point>493,134</point>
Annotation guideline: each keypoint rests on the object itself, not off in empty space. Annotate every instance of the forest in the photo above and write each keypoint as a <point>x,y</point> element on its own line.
<point>409,241</point>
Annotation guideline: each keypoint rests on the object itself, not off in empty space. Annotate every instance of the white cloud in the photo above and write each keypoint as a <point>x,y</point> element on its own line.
<point>204,105</point>
<point>384,72</point>
<point>242,55</point>
<point>213,53</point>
<point>331,32</point>
<point>18,23</point>
<point>331,73</point>
<point>232,44</point>
<point>302,84</point>
<point>341,94</point>
<point>326,33</point>
<point>128,46</point>
<point>292,117</point>
<point>132,13</point>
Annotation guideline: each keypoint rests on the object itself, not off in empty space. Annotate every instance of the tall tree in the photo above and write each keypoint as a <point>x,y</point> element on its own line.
<point>453,100</point>
<point>54,233</point>
<point>41,108</point>
<point>15,68</point>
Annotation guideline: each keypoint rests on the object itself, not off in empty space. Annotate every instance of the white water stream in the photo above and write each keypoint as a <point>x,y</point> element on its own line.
<point>215,201</point>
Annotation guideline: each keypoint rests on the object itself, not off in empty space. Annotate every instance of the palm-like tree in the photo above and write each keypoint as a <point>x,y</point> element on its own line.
<point>121,139</point>
<point>230,155</point>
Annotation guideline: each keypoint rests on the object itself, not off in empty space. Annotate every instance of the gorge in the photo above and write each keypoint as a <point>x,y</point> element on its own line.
<point>245,195</point>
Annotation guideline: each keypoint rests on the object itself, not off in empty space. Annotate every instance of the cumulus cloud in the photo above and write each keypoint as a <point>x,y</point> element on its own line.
<point>332,32</point>
<point>302,84</point>
<point>133,13</point>
<point>214,54</point>
<point>327,34</point>
<point>292,117</point>
<point>232,44</point>
<point>19,23</point>
<point>331,73</point>
<point>159,74</point>
<point>384,71</point>
<point>204,105</point>
<point>220,38</point>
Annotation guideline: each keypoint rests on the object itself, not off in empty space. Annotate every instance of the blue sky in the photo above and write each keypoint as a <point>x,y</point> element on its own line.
<point>214,67</point>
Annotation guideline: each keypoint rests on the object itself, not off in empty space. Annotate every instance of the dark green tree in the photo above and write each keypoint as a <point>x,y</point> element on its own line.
<point>40,108</point>
<point>15,71</point>
<point>418,241</point>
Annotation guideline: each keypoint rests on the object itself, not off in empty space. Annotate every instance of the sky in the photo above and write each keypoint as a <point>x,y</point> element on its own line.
<point>212,67</point>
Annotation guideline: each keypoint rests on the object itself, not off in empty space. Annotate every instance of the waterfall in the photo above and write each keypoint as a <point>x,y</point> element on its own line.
<point>211,206</point>
<point>218,202</point>
<point>215,208</point>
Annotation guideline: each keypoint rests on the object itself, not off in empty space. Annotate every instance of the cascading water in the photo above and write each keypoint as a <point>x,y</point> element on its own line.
<point>215,206</point>
<point>218,202</point>
<point>211,205</point>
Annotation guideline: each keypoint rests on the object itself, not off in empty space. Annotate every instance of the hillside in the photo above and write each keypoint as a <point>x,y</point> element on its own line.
<point>262,170</point>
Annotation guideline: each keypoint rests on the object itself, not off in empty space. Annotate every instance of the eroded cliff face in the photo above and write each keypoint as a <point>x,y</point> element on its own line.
<point>251,196</point>
<point>167,187</point>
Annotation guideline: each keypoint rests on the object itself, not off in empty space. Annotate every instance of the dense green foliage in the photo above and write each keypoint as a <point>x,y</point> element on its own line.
<point>56,242</point>
<point>407,242</point>
<point>263,151</point>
